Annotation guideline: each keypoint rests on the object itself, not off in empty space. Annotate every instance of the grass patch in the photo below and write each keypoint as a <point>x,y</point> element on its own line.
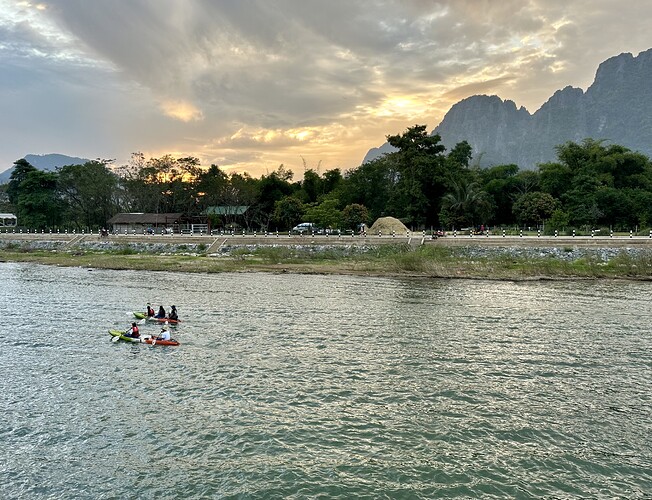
<point>382,260</point>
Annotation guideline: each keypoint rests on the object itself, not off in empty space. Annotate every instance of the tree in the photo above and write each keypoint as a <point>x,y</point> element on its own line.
<point>465,205</point>
<point>421,166</point>
<point>370,185</point>
<point>311,186</point>
<point>89,193</point>
<point>502,186</point>
<point>272,188</point>
<point>38,205</point>
<point>558,221</point>
<point>211,185</point>
<point>288,212</point>
<point>325,214</point>
<point>353,215</point>
<point>22,168</point>
<point>332,180</point>
<point>534,208</point>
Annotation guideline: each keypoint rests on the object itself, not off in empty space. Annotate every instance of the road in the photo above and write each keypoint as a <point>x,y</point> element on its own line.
<point>415,239</point>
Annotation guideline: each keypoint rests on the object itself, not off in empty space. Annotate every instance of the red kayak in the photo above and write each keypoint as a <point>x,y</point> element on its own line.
<point>151,341</point>
<point>163,320</point>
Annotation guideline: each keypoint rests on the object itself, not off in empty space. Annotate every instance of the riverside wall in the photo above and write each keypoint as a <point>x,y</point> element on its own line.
<point>213,243</point>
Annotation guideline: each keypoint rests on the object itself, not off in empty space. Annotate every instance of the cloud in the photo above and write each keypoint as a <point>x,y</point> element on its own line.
<point>182,110</point>
<point>241,81</point>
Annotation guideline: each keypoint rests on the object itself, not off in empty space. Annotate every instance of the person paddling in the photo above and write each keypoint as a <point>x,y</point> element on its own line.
<point>165,334</point>
<point>173,314</point>
<point>133,332</point>
<point>150,311</point>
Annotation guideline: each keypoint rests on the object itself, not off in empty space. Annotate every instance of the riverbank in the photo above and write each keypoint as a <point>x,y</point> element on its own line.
<point>515,258</point>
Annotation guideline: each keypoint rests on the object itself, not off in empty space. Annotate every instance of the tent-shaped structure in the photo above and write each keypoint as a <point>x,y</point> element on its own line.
<point>227,213</point>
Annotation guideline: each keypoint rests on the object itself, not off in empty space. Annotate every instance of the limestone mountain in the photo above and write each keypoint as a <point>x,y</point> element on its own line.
<point>49,162</point>
<point>617,108</point>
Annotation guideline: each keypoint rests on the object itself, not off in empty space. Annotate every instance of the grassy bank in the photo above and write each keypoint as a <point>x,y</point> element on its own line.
<point>386,260</point>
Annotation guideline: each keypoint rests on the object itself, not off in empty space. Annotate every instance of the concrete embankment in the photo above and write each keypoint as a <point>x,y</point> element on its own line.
<point>214,243</point>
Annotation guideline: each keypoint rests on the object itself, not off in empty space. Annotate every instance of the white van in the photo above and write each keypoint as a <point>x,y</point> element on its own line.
<point>304,227</point>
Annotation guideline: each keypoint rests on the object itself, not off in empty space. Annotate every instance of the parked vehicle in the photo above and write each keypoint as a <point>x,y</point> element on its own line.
<point>305,227</point>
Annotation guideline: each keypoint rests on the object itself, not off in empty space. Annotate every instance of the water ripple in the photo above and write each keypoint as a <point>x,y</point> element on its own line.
<point>323,387</point>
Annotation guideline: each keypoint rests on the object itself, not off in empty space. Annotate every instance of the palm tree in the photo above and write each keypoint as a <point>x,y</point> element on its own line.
<point>464,205</point>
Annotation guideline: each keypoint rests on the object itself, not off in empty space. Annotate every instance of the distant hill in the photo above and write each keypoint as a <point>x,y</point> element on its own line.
<point>617,107</point>
<point>45,162</point>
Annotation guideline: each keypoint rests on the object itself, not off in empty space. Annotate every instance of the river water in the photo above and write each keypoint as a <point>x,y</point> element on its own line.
<point>292,386</point>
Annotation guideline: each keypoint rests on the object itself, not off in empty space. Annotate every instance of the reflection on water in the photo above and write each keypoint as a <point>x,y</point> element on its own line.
<point>298,386</point>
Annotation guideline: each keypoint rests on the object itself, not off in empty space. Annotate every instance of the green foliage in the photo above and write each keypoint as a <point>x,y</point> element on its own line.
<point>38,204</point>
<point>288,212</point>
<point>273,188</point>
<point>592,184</point>
<point>534,208</point>
<point>558,220</point>
<point>370,185</point>
<point>599,184</point>
<point>89,192</point>
<point>325,214</point>
<point>502,186</point>
<point>422,173</point>
<point>353,215</point>
<point>22,168</point>
<point>465,205</point>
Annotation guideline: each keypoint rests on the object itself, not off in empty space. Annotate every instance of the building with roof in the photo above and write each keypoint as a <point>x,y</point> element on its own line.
<point>142,222</point>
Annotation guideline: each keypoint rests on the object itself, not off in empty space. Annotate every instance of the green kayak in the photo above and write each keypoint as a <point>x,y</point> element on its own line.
<point>118,335</point>
<point>147,339</point>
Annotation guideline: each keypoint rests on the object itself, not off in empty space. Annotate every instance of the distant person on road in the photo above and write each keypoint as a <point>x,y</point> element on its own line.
<point>161,312</point>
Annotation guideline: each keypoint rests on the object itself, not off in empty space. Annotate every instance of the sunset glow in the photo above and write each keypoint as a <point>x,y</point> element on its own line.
<point>250,86</point>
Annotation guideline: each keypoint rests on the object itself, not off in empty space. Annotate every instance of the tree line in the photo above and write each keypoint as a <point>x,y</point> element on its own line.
<point>591,184</point>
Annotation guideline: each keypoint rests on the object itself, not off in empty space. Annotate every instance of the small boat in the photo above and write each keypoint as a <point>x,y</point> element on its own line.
<point>153,341</point>
<point>118,335</point>
<point>139,315</point>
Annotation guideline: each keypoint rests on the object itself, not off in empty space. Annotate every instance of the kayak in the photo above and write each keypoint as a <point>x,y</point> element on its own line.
<point>151,341</point>
<point>163,320</point>
<point>141,340</point>
<point>139,315</point>
<point>122,336</point>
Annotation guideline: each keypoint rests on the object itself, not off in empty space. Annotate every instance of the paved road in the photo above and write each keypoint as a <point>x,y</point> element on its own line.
<point>412,239</point>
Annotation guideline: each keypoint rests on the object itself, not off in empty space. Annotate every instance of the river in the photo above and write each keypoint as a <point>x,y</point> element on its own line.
<point>296,386</point>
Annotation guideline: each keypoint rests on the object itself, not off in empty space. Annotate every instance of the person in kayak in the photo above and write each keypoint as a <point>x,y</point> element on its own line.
<point>133,332</point>
<point>164,335</point>
<point>161,313</point>
<point>150,311</point>
<point>173,314</point>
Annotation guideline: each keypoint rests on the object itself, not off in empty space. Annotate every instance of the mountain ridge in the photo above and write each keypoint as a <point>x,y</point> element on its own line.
<point>616,107</point>
<point>47,162</point>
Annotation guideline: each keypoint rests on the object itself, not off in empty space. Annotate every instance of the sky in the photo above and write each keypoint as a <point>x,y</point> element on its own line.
<point>252,84</point>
